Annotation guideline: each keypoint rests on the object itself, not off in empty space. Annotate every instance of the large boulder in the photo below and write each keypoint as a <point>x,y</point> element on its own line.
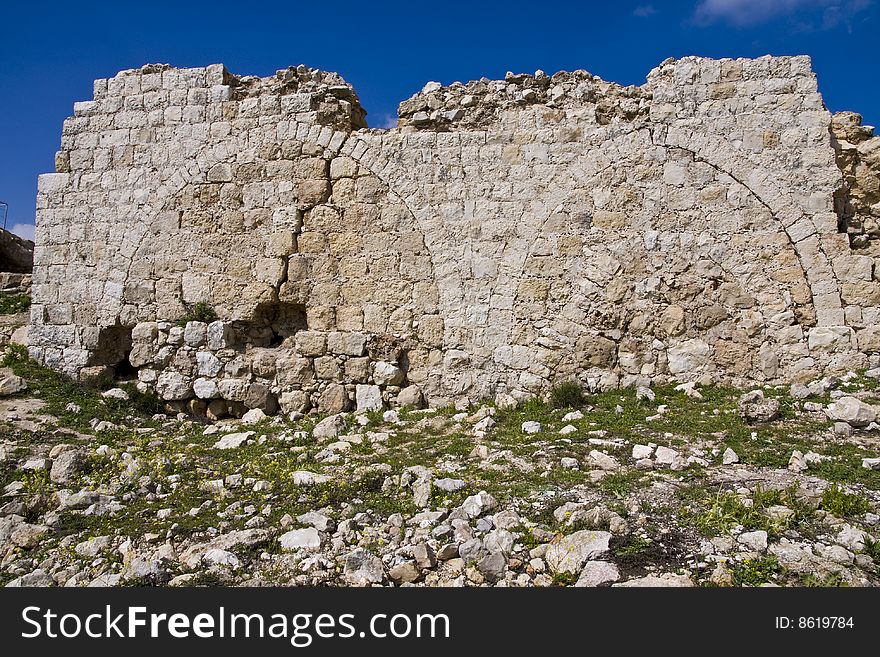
<point>666,580</point>
<point>10,384</point>
<point>68,465</point>
<point>570,553</point>
<point>754,407</point>
<point>853,411</point>
<point>410,396</point>
<point>307,539</point>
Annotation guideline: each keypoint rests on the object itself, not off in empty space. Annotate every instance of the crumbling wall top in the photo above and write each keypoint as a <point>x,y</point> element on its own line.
<point>296,89</point>
<point>478,103</point>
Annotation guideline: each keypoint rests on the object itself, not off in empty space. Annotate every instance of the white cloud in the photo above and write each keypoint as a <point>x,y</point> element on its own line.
<point>23,230</point>
<point>752,12</point>
<point>643,11</point>
<point>387,121</point>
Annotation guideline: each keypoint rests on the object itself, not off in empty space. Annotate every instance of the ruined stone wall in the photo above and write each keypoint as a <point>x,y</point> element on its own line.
<point>16,254</point>
<point>506,236</point>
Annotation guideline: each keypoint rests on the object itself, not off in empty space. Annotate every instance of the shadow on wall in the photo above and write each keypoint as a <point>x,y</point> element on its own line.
<point>272,323</point>
<point>113,351</point>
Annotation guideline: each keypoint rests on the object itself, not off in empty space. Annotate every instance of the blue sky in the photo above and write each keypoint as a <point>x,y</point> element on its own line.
<point>51,51</point>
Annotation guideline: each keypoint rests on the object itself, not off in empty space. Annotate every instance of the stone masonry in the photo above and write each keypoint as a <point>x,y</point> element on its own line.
<point>506,236</point>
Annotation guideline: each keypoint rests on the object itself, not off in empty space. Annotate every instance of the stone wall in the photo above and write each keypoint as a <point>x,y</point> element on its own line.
<point>507,235</point>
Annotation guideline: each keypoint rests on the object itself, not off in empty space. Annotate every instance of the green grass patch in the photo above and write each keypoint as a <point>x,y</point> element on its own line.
<point>12,304</point>
<point>718,514</point>
<point>567,395</point>
<point>634,546</point>
<point>842,504</point>
<point>872,549</point>
<point>831,580</point>
<point>754,572</point>
<point>57,391</point>
<point>621,484</point>
<point>565,579</point>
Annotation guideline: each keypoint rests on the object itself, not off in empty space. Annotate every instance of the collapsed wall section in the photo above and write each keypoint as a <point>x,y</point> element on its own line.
<point>506,236</point>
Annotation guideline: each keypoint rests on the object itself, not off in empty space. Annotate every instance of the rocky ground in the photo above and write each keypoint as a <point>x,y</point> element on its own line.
<point>687,486</point>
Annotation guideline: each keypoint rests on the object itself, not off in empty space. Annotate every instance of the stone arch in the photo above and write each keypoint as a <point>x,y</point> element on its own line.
<point>801,228</point>
<point>335,142</point>
<point>566,343</point>
<point>353,257</point>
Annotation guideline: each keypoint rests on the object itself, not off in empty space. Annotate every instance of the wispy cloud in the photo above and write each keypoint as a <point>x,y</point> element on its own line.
<point>643,11</point>
<point>386,121</point>
<point>743,13</point>
<point>23,230</point>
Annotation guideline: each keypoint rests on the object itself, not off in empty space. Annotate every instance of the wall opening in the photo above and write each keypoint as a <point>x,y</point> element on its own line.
<point>113,350</point>
<point>272,323</point>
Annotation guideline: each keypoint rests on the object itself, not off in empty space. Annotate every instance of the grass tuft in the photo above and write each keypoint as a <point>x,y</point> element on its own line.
<point>567,395</point>
<point>842,504</point>
<point>198,312</point>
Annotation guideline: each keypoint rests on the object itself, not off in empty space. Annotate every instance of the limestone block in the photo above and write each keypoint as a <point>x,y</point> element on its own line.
<point>175,335</point>
<point>281,243</point>
<point>206,388</point>
<point>869,339</point>
<point>831,338</point>
<point>293,371</point>
<point>195,334</point>
<point>146,332</point>
<point>296,103</point>
<point>287,218</point>
<point>333,399</point>
<point>263,362</point>
<point>595,351</point>
<point>411,397</point>
<point>52,183</point>
<point>430,330</point>
<point>343,167</point>
<point>141,354</point>
<point>313,192</point>
<point>311,343</point>
<point>173,386</point>
<point>208,364</point>
<point>357,370</point>
<point>861,293</point>
<point>609,220</point>
<point>327,368</point>
<point>233,389</point>
<point>221,172</point>
<point>688,357</point>
<point>346,343</point>
<point>294,401</point>
<point>385,374</point>
<point>350,318</point>
<point>368,398</point>
<point>517,357</point>
<point>259,396</point>
<point>672,321</point>
<point>218,335</point>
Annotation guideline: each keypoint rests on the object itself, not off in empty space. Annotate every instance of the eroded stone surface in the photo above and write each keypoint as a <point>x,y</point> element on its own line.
<point>505,236</point>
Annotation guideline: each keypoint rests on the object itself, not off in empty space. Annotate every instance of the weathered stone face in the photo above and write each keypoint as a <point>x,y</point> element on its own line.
<point>505,236</point>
